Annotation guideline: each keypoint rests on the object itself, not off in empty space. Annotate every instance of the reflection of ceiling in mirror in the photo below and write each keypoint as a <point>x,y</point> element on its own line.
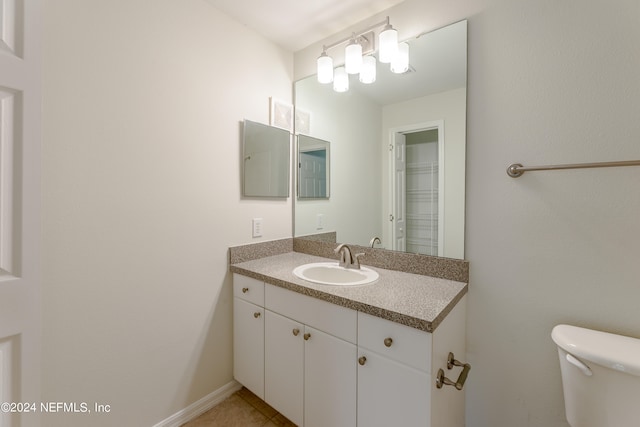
<point>438,62</point>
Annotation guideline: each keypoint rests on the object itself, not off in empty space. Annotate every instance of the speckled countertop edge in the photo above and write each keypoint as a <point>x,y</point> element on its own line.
<point>414,300</point>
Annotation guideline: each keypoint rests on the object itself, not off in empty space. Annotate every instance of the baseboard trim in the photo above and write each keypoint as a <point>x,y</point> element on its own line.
<point>201,406</point>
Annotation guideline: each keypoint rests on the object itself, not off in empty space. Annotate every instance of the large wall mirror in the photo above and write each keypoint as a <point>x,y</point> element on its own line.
<point>265,153</point>
<point>397,152</point>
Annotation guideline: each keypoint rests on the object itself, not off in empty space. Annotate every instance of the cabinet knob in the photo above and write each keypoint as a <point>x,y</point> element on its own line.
<point>245,290</point>
<point>388,342</point>
<point>296,331</point>
<point>256,314</point>
<point>362,360</point>
<point>307,336</point>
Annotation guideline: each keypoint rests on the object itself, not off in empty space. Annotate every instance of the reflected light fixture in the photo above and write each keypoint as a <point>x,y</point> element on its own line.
<point>340,80</point>
<point>368,71</point>
<point>400,62</point>
<point>359,59</point>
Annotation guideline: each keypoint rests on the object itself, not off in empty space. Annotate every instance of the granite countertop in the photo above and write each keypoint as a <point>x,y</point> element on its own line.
<point>418,301</point>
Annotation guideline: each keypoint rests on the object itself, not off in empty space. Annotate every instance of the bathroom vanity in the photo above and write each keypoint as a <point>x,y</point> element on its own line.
<point>362,356</point>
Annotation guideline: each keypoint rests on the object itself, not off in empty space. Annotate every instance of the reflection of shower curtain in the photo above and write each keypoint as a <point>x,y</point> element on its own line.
<point>422,205</point>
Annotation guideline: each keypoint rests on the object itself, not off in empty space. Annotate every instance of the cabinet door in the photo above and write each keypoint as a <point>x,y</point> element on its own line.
<point>330,369</point>
<point>284,365</point>
<point>391,394</point>
<point>248,345</point>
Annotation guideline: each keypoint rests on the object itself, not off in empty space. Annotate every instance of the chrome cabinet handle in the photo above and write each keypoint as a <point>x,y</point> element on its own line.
<point>388,342</point>
<point>256,314</point>
<point>245,290</point>
<point>296,331</point>
<point>362,360</point>
<point>307,336</point>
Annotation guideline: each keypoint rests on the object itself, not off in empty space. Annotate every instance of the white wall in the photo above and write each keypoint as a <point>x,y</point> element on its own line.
<point>549,82</point>
<point>449,107</point>
<point>141,183</point>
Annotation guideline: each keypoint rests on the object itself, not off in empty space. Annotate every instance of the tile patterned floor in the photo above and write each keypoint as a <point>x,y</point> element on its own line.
<point>241,409</point>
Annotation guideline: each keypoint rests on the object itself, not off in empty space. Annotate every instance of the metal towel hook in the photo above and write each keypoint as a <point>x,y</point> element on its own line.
<point>441,380</point>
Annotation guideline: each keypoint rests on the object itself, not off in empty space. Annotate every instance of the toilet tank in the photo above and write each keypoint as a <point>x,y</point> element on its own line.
<point>600,377</point>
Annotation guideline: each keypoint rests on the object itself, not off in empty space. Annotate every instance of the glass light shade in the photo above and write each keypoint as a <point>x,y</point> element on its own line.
<point>353,57</point>
<point>340,80</point>
<point>325,68</point>
<point>388,40</point>
<point>400,63</point>
<point>368,71</point>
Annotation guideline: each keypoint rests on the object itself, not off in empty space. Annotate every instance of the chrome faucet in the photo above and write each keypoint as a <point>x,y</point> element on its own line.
<point>375,240</point>
<point>347,259</point>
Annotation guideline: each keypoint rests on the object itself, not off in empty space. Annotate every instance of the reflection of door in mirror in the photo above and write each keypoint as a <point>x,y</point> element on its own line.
<point>313,168</point>
<point>313,174</point>
<point>417,219</point>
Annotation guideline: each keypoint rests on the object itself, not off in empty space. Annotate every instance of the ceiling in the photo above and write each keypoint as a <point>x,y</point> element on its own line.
<point>296,24</point>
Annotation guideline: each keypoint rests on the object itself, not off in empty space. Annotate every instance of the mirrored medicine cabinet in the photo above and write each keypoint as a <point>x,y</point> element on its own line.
<point>266,160</point>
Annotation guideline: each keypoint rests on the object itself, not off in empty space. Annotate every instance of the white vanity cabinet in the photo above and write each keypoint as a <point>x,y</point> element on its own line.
<point>394,383</point>
<point>248,333</point>
<point>397,372</point>
<point>322,365</point>
<point>310,359</point>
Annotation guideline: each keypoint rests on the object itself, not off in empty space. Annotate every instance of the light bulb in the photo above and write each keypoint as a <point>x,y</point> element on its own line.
<point>400,63</point>
<point>325,68</point>
<point>368,71</point>
<point>388,39</point>
<point>353,57</point>
<point>340,80</point>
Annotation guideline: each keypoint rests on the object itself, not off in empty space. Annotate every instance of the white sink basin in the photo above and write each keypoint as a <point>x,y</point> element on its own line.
<point>330,273</point>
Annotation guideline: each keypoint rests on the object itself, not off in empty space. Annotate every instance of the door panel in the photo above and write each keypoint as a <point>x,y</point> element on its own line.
<point>400,191</point>
<point>20,130</point>
<point>284,365</point>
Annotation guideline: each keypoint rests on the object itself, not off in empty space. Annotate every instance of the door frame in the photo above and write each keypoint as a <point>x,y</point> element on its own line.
<point>407,129</point>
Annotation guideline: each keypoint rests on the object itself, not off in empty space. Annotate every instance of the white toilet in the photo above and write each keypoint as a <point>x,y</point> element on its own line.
<point>600,377</point>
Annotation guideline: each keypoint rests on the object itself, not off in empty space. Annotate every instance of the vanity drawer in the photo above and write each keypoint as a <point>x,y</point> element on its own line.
<point>248,289</point>
<point>333,319</point>
<point>399,342</point>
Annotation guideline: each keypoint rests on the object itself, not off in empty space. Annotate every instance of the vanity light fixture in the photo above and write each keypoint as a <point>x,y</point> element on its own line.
<point>353,56</point>
<point>359,59</point>
<point>325,68</point>
<point>388,43</point>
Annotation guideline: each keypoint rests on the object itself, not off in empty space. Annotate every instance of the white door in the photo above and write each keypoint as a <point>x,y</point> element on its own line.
<point>392,394</point>
<point>398,183</point>
<point>19,209</point>
<point>313,175</point>
<point>329,380</point>
<point>284,365</point>
<point>248,345</point>
<point>399,190</point>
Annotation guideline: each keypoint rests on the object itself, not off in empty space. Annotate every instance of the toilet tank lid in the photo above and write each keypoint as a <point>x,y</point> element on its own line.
<point>609,350</point>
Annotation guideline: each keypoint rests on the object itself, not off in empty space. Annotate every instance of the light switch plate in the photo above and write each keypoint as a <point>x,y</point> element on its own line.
<point>257,227</point>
